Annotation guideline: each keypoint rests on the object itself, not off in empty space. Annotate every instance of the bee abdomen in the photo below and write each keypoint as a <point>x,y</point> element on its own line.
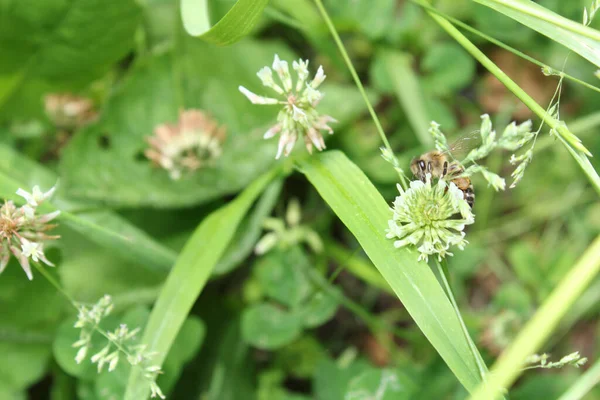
<point>470,196</point>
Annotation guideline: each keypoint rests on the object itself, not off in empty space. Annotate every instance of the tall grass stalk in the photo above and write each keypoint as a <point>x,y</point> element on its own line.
<point>508,367</point>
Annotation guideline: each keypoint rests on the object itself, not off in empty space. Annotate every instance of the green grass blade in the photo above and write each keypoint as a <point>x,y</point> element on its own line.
<point>584,384</point>
<point>571,142</point>
<point>508,367</point>
<point>406,87</point>
<point>361,208</point>
<point>236,24</point>
<point>188,277</point>
<point>581,39</point>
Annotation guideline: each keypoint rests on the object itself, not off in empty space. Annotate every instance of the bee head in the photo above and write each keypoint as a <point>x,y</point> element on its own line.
<point>419,168</point>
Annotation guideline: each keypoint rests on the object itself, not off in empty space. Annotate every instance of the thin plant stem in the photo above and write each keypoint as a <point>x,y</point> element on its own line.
<point>361,89</point>
<point>548,16</point>
<point>73,302</point>
<point>571,142</point>
<point>508,367</point>
<point>442,267</point>
<point>504,46</point>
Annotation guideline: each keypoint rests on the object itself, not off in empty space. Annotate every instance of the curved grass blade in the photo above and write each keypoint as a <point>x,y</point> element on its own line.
<point>361,208</point>
<point>508,367</point>
<point>188,277</point>
<point>236,24</point>
<point>581,39</point>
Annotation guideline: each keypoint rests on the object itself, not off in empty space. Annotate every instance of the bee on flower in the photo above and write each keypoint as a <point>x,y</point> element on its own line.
<point>298,117</point>
<point>23,232</point>
<point>193,143</point>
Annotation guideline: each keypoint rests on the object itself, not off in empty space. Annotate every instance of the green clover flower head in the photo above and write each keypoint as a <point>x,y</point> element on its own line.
<point>431,217</point>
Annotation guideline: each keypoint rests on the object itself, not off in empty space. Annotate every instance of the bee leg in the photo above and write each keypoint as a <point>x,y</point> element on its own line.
<point>445,169</point>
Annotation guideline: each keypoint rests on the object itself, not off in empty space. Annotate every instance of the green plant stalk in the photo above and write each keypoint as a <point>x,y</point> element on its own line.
<point>361,89</point>
<point>571,141</point>
<point>558,20</point>
<point>504,46</point>
<point>442,267</point>
<point>584,384</point>
<point>508,367</point>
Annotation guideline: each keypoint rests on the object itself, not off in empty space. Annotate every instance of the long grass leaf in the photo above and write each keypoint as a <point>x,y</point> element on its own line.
<point>361,208</point>
<point>508,367</point>
<point>189,276</point>
<point>581,39</point>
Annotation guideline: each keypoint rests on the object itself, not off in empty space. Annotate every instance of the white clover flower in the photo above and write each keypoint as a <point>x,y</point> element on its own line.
<point>193,143</point>
<point>23,233</point>
<point>430,217</point>
<point>299,117</point>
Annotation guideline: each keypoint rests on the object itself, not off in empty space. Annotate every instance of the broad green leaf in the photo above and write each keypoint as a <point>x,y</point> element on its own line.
<point>331,378</point>
<point>362,209</point>
<point>319,309</point>
<point>279,273</point>
<point>103,227</point>
<point>30,312</point>
<point>58,43</point>
<point>250,229</point>
<point>448,68</point>
<point>269,327</point>
<point>300,358</point>
<point>236,24</point>
<point>189,275</point>
<point>583,40</point>
<point>105,162</point>
<point>384,384</point>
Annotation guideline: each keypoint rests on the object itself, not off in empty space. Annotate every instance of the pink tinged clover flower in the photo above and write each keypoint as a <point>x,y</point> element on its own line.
<point>194,142</point>
<point>298,117</point>
<point>23,232</point>
<point>431,217</point>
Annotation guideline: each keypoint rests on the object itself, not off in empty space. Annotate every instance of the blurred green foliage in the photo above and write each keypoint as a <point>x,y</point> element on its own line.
<point>263,328</point>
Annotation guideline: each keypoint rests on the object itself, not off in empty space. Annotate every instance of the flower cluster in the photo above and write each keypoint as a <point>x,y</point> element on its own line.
<point>193,143</point>
<point>23,232</point>
<point>68,111</point>
<point>299,117</point>
<point>121,342</point>
<point>431,217</point>
<point>541,361</point>
<point>289,232</point>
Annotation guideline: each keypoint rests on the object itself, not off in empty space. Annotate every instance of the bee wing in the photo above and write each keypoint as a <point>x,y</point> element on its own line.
<point>462,145</point>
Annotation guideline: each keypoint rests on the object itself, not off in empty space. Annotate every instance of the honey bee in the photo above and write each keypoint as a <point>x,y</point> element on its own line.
<point>440,166</point>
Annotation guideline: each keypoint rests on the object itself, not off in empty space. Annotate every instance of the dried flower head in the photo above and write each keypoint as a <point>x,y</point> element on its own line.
<point>193,143</point>
<point>68,111</point>
<point>431,217</point>
<point>23,232</point>
<point>299,116</point>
